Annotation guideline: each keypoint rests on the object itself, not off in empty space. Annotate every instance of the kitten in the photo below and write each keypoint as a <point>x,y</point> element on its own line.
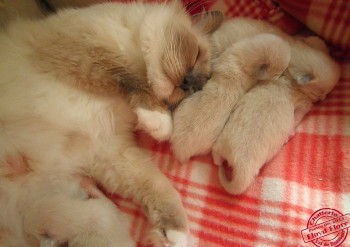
<point>195,131</point>
<point>55,208</point>
<point>267,115</point>
<point>68,88</point>
<point>200,118</point>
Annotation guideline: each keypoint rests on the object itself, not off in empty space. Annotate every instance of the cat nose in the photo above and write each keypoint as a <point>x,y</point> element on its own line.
<point>185,85</point>
<point>190,83</point>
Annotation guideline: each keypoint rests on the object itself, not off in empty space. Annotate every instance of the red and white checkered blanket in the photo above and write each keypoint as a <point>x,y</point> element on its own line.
<point>311,172</point>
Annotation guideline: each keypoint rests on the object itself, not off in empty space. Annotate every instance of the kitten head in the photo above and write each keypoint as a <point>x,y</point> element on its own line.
<point>176,50</point>
<point>311,68</point>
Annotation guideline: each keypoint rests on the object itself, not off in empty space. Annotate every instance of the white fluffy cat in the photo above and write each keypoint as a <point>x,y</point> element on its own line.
<point>68,88</point>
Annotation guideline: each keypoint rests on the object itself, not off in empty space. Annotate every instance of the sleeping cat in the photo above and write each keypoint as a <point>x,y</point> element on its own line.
<point>195,131</point>
<point>267,115</point>
<point>184,69</point>
<point>68,88</point>
<point>200,118</point>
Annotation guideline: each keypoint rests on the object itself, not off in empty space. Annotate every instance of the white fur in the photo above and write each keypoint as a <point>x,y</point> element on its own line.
<point>265,117</point>
<point>158,124</point>
<point>255,131</point>
<point>48,242</point>
<point>63,131</point>
<point>200,118</point>
<point>178,238</point>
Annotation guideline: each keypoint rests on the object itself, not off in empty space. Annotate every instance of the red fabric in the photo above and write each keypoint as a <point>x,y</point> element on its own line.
<point>328,18</point>
<point>312,170</point>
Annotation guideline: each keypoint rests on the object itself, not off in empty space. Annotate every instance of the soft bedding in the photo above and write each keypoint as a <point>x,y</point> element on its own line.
<point>310,174</point>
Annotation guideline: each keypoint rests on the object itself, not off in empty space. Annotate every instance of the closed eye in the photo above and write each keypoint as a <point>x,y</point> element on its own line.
<point>198,54</point>
<point>195,61</point>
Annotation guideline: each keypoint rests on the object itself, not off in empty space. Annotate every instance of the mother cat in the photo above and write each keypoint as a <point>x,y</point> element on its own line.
<point>68,88</point>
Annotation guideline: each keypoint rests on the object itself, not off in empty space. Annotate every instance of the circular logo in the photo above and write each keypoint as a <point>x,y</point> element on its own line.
<point>327,234</point>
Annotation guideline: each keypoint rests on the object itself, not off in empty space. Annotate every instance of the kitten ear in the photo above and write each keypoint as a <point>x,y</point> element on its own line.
<point>300,77</point>
<point>303,79</point>
<point>208,22</point>
<point>309,84</point>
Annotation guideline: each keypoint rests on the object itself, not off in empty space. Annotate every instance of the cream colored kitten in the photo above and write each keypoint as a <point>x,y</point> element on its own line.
<point>266,116</point>
<point>200,118</point>
<point>68,88</point>
<point>195,131</point>
<point>57,208</point>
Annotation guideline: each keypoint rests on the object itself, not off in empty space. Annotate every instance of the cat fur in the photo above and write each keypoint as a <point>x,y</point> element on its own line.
<point>68,93</point>
<point>266,117</point>
<point>200,118</point>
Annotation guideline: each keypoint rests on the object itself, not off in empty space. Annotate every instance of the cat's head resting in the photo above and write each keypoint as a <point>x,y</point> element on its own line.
<point>176,50</point>
<point>312,69</point>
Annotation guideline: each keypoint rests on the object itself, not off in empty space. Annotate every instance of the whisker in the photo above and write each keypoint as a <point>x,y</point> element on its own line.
<point>191,7</point>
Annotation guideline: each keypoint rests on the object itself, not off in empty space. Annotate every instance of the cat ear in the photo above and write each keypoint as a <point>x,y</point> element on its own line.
<point>303,79</point>
<point>300,77</point>
<point>208,22</point>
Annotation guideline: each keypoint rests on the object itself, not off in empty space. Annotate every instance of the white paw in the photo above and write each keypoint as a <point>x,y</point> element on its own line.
<point>177,238</point>
<point>48,242</point>
<point>172,238</point>
<point>158,124</point>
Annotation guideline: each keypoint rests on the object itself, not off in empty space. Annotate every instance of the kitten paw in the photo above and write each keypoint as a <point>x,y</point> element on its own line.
<point>235,181</point>
<point>157,124</point>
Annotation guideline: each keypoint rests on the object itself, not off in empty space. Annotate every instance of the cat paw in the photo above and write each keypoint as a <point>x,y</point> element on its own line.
<point>158,124</point>
<point>168,220</point>
<point>49,242</point>
<point>169,238</point>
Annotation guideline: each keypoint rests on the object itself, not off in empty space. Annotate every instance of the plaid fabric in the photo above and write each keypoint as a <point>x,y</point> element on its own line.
<point>330,19</point>
<point>312,170</point>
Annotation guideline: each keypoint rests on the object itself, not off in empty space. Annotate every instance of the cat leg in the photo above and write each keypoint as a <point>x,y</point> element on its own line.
<point>153,117</point>
<point>128,171</point>
<point>156,123</point>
